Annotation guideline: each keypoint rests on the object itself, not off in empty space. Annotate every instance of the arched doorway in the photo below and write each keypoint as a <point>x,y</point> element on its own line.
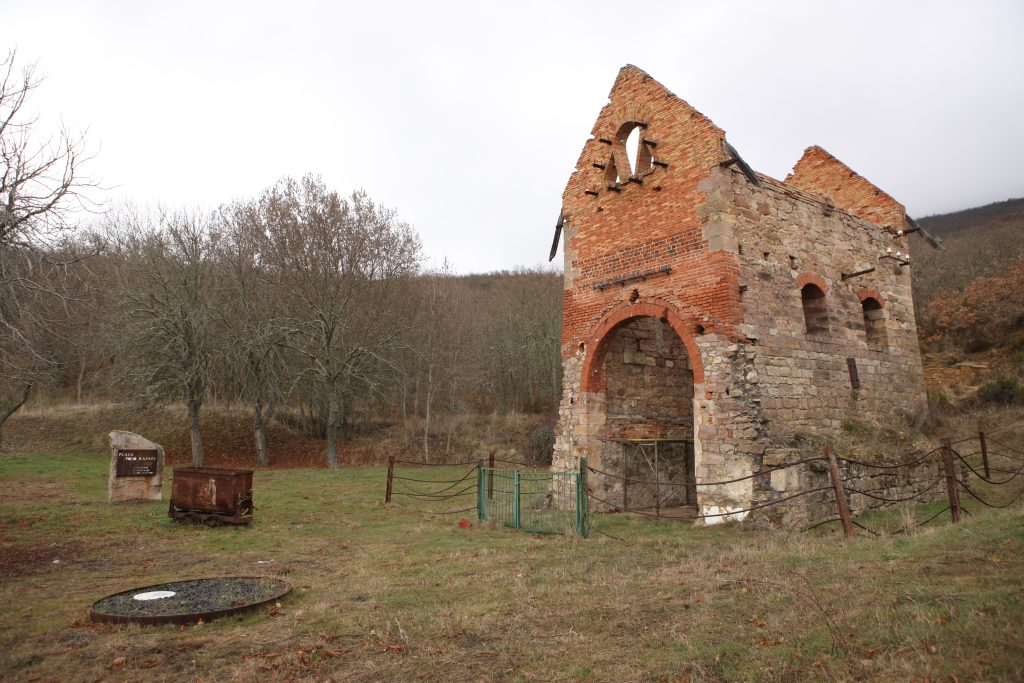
<point>642,369</point>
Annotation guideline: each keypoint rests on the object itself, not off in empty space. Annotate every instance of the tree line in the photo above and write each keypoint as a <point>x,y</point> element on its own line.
<point>298,302</point>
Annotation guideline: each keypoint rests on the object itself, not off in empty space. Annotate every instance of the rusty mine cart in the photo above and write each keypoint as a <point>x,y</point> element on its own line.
<point>211,495</point>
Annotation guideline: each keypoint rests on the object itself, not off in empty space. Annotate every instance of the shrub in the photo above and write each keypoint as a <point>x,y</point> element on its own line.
<point>541,444</point>
<point>849,425</point>
<point>937,397</point>
<point>977,344</point>
<point>1004,389</point>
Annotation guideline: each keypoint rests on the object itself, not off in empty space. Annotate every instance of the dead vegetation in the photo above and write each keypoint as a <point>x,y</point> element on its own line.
<point>228,436</point>
<point>389,594</point>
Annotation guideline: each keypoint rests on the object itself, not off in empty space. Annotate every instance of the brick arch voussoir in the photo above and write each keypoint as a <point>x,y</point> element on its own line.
<point>632,111</point>
<point>593,379</point>
<point>811,279</point>
<point>868,293</point>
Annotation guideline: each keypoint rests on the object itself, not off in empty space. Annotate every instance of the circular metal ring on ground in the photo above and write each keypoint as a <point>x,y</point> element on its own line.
<point>191,601</point>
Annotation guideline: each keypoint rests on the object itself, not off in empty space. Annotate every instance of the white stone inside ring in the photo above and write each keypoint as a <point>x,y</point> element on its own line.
<point>153,595</point>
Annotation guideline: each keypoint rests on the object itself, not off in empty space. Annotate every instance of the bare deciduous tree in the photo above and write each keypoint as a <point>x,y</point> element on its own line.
<point>167,273</point>
<point>339,266</point>
<point>256,330</point>
<point>40,189</point>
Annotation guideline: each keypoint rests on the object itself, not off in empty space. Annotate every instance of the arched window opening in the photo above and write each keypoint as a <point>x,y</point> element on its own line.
<point>874,324</point>
<point>632,143</point>
<point>815,313</point>
<point>633,150</point>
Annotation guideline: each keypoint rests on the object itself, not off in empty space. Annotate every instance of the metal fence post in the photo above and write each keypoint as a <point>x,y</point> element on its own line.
<point>582,501</point>
<point>984,453</point>
<point>515,499</point>
<point>391,478</point>
<point>490,475</point>
<point>837,486</point>
<point>481,512</point>
<point>950,467</point>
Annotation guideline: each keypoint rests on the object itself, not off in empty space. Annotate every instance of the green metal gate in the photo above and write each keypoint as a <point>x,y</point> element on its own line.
<point>537,501</point>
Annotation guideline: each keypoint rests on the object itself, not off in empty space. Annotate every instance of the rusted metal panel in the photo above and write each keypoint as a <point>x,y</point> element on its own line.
<point>212,489</point>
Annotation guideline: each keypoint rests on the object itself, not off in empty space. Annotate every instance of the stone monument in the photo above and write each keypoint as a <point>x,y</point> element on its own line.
<point>136,468</point>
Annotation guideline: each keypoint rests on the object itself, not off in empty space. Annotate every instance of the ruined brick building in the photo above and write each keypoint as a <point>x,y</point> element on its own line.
<point>712,312</point>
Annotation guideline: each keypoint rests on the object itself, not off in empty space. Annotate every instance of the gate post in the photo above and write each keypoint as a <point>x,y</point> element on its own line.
<point>515,498</point>
<point>391,477</point>
<point>481,513</point>
<point>582,501</point>
<point>950,467</point>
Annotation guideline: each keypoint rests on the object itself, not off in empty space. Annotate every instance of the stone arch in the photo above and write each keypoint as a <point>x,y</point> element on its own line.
<point>593,379</point>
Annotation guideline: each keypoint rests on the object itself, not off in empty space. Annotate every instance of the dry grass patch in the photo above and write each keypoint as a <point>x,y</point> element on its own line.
<point>392,594</point>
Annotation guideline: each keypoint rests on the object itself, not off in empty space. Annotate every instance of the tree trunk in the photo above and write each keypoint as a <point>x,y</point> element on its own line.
<point>451,416</point>
<point>197,435</point>
<point>13,408</point>
<point>332,433</point>
<point>259,429</point>
<point>426,418</point>
<point>81,379</point>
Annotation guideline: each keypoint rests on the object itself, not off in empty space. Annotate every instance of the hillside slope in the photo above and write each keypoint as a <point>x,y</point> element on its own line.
<point>977,242</point>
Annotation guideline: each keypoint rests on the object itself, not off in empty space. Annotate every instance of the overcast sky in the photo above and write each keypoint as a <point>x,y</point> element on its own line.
<point>468,117</point>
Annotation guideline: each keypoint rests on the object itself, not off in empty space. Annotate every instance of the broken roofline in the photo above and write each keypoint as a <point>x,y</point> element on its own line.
<point>735,157</point>
<point>871,205</point>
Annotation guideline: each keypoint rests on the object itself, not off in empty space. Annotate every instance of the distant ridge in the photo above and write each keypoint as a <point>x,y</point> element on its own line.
<point>978,243</point>
<point>1011,210</point>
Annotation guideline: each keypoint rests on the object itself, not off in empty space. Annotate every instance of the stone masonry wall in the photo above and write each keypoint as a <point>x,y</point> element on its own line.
<point>681,243</point>
<point>649,383</point>
<point>923,477</point>
<point>786,240</point>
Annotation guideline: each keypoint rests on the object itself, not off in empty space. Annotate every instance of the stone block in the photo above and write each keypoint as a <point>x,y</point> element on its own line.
<point>773,457</point>
<point>136,468</point>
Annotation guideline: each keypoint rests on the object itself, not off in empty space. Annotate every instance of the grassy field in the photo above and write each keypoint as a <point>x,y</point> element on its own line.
<point>388,593</point>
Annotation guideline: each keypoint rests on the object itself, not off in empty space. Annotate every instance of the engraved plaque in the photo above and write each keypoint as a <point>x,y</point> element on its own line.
<point>136,463</point>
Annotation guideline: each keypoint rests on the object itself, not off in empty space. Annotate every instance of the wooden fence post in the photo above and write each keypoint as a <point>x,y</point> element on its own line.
<point>837,486</point>
<point>625,494</point>
<point>490,476</point>
<point>391,478</point>
<point>984,453</point>
<point>657,484</point>
<point>950,467</point>
<point>481,508</point>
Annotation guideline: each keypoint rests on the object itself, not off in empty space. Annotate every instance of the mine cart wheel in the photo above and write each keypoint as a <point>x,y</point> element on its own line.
<point>214,521</point>
<point>190,518</point>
